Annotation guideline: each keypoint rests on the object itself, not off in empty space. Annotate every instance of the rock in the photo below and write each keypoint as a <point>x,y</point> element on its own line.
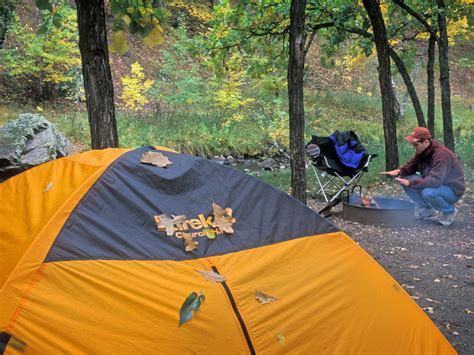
<point>218,159</point>
<point>28,141</point>
<point>229,160</point>
<point>269,164</point>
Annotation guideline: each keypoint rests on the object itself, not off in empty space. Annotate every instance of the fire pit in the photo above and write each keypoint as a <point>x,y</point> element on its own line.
<point>386,211</point>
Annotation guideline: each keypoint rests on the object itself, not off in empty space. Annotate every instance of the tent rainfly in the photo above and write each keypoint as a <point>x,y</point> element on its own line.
<point>99,251</point>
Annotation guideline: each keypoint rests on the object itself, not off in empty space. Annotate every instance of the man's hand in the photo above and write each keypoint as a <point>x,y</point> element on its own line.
<point>392,173</point>
<point>403,182</point>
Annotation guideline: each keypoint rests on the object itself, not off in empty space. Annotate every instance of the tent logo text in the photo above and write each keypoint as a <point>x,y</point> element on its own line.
<point>194,227</point>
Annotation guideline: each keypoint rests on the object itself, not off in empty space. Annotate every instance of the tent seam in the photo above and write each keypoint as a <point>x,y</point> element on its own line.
<point>25,297</point>
<point>99,173</point>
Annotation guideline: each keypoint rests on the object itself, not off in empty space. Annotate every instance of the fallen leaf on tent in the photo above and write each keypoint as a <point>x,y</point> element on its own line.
<point>281,338</point>
<point>211,276</point>
<point>264,298</point>
<point>48,187</point>
<point>468,311</point>
<point>191,303</point>
<point>167,223</point>
<point>223,218</point>
<point>155,158</point>
<point>210,233</point>
<point>189,243</point>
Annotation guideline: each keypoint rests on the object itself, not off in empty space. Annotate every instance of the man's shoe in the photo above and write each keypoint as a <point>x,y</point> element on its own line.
<point>448,218</point>
<point>424,213</point>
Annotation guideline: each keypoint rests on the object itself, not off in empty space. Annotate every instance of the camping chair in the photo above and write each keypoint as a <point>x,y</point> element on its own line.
<point>330,171</point>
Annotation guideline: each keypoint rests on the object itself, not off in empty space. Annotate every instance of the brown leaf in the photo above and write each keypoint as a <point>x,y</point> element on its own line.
<point>211,276</point>
<point>264,298</point>
<point>223,218</point>
<point>48,187</point>
<point>167,223</point>
<point>155,158</point>
<point>468,311</point>
<point>189,243</point>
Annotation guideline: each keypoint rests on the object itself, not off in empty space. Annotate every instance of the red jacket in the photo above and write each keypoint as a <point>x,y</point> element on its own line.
<point>437,166</point>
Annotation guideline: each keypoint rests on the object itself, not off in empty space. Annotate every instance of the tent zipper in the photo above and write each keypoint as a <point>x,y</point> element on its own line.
<point>237,313</point>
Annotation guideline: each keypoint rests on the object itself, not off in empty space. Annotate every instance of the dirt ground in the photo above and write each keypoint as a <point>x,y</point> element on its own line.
<point>433,263</point>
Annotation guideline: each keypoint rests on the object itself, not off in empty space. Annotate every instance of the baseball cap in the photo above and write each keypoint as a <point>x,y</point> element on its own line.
<point>419,133</point>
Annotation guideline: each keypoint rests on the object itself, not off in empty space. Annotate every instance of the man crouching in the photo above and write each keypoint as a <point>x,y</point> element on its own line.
<point>440,183</point>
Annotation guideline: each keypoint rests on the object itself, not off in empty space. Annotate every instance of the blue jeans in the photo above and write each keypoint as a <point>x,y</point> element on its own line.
<point>441,198</point>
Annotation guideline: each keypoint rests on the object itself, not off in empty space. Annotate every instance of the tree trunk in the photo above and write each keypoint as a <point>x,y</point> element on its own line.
<point>410,87</point>
<point>296,99</point>
<point>385,80</point>
<point>430,84</point>
<point>98,84</point>
<point>444,77</point>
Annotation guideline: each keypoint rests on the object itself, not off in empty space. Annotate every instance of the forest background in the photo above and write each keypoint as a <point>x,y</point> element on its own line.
<point>217,82</point>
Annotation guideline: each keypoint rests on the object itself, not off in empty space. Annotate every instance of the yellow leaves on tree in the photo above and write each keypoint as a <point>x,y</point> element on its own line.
<point>229,93</point>
<point>456,28</point>
<point>135,86</point>
<point>53,57</point>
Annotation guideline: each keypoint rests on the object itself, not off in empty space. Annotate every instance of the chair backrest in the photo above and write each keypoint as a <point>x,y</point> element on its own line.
<point>327,150</point>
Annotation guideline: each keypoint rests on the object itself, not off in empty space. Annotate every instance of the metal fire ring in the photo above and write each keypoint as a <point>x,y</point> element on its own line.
<point>391,212</point>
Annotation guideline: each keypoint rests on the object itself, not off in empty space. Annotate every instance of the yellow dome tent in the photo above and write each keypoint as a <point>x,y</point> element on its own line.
<point>87,266</point>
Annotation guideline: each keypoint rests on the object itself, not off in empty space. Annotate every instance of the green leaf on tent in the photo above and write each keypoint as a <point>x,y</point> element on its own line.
<point>192,303</point>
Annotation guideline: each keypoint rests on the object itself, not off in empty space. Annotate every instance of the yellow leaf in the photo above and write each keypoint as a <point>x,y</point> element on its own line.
<point>154,37</point>
<point>119,43</point>
<point>281,338</point>
<point>210,233</point>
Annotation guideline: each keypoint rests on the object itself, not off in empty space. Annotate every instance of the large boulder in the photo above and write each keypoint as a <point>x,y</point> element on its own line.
<point>28,141</point>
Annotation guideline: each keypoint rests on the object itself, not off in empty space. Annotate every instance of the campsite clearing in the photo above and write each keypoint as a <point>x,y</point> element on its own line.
<point>433,263</point>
